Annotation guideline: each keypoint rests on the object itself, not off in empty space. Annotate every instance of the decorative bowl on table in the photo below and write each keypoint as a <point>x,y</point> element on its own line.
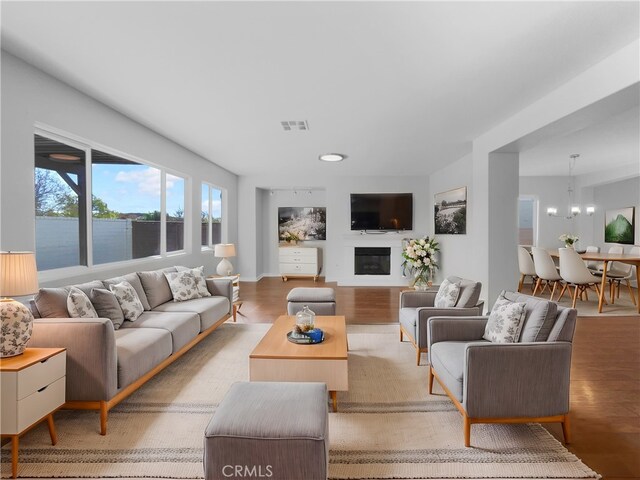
<point>308,337</point>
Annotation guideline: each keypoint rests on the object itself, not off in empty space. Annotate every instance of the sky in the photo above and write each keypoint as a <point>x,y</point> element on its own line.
<point>136,189</point>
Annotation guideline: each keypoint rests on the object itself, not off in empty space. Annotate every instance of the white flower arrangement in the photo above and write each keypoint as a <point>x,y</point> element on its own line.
<point>419,257</point>
<point>568,239</point>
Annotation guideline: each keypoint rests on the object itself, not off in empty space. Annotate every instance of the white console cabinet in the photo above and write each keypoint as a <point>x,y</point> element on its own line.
<point>299,262</point>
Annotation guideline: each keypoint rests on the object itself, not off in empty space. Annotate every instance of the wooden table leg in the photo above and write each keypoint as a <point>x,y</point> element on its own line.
<point>52,429</point>
<point>334,400</point>
<point>602,286</point>
<point>14,455</point>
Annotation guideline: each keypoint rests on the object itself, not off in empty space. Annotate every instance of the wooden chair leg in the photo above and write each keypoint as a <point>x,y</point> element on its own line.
<point>467,431</point>
<point>586,293</point>
<point>401,335</point>
<point>537,286</point>
<point>633,297</point>
<point>566,429</point>
<point>575,297</point>
<point>430,381</point>
<point>104,411</point>
<point>418,352</point>
<point>521,282</point>
<point>562,292</point>
<point>555,284</point>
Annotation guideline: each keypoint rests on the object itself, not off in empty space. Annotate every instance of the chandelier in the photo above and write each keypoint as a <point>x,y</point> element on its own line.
<point>573,209</point>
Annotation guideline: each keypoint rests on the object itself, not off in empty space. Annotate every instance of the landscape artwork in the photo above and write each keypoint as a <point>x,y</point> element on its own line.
<point>302,223</point>
<point>619,226</point>
<point>450,212</point>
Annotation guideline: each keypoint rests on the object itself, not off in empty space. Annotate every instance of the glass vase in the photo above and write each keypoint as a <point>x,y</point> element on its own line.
<point>305,319</point>
<point>421,281</point>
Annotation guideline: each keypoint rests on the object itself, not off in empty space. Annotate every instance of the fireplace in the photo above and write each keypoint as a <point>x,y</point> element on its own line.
<point>372,261</point>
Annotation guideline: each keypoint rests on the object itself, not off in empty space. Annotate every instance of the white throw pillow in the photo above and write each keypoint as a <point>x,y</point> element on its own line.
<point>201,281</point>
<point>128,299</point>
<point>447,295</point>
<point>183,285</point>
<point>505,321</point>
<point>79,305</point>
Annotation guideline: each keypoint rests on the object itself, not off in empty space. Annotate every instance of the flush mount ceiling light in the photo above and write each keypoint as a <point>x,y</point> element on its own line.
<point>64,157</point>
<point>332,157</point>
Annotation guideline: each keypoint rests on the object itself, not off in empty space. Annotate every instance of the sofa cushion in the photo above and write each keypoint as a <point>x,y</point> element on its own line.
<point>52,302</point>
<point>88,286</point>
<point>201,281</point>
<point>79,305</point>
<point>540,315</point>
<point>183,327</point>
<point>447,295</point>
<point>134,280</point>
<point>107,306</point>
<point>505,321</point>
<point>447,359</point>
<point>156,287</point>
<point>128,300</point>
<point>210,309</point>
<point>183,285</point>
<point>469,292</point>
<point>139,350</point>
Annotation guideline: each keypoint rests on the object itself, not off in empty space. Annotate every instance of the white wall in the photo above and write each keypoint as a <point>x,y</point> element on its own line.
<point>333,192</point>
<point>29,96</point>
<point>456,251</point>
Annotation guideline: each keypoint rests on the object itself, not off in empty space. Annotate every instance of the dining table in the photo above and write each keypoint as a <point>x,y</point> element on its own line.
<point>606,259</point>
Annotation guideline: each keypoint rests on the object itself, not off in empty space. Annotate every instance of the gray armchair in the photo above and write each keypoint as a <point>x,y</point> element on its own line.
<point>417,307</point>
<point>519,382</point>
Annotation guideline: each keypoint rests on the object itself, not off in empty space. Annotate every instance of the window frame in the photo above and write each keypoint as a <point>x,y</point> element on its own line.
<point>88,146</point>
<point>223,213</point>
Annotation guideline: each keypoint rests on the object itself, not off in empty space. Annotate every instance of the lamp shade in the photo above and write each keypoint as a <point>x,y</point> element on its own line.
<point>224,250</point>
<point>18,274</point>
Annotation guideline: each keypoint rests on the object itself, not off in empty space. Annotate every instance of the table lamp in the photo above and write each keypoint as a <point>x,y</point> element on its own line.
<point>224,250</point>
<point>18,277</point>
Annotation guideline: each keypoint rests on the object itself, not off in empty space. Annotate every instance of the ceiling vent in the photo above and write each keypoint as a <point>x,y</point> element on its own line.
<point>300,125</point>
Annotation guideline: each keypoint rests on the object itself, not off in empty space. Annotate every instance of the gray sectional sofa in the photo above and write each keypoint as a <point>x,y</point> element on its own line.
<point>106,363</point>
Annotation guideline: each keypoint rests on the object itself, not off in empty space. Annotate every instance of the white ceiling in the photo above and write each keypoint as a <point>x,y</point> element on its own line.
<point>401,88</point>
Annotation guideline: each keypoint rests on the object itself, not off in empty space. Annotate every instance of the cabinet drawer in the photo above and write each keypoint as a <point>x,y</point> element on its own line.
<point>298,259</point>
<point>40,403</point>
<point>36,376</point>
<point>308,253</point>
<point>300,268</point>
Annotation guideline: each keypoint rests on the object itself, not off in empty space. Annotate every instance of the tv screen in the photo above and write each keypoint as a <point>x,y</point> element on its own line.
<point>381,211</point>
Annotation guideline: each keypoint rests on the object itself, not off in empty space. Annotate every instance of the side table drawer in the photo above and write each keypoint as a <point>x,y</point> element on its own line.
<point>35,377</point>
<point>40,403</point>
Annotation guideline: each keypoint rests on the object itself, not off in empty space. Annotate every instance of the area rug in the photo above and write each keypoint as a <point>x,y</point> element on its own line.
<point>387,425</point>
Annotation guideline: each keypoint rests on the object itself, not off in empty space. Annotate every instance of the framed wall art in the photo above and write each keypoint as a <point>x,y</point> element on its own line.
<point>302,223</point>
<point>450,212</point>
<point>619,226</point>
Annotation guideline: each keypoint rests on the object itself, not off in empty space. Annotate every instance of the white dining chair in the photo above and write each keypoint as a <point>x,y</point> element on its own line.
<point>592,264</point>
<point>545,271</point>
<point>574,272</point>
<point>620,272</point>
<point>526,267</point>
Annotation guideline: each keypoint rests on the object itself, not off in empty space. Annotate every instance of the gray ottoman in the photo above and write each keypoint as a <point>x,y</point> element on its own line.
<point>321,300</point>
<point>275,430</point>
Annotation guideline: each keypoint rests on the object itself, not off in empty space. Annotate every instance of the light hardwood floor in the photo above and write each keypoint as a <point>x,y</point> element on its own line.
<point>605,371</point>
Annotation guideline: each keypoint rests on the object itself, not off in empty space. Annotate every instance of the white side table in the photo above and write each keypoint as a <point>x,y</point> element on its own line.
<point>33,387</point>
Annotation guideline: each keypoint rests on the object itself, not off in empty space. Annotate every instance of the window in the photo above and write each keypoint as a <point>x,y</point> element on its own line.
<point>137,210</point>
<point>527,220</point>
<point>60,198</point>
<point>211,215</point>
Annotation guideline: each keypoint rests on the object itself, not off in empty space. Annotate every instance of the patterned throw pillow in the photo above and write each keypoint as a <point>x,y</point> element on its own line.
<point>505,321</point>
<point>447,295</point>
<point>183,285</point>
<point>79,305</point>
<point>201,282</point>
<point>128,299</point>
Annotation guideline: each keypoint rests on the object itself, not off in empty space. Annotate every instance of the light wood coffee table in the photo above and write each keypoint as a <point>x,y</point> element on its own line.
<point>276,359</point>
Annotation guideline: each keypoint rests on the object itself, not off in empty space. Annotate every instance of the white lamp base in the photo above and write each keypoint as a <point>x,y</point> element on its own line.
<point>224,267</point>
<point>17,324</point>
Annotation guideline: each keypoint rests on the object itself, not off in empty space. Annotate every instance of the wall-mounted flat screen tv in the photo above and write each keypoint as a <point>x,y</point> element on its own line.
<point>382,211</point>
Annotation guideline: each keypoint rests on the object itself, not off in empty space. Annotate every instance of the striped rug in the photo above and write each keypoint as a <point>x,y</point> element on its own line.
<point>387,425</point>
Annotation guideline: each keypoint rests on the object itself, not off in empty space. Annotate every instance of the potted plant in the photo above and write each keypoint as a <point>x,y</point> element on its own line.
<point>568,239</point>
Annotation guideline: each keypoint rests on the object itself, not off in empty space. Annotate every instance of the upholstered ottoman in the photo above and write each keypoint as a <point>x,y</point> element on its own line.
<point>321,300</point>
<point>275,430</point>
